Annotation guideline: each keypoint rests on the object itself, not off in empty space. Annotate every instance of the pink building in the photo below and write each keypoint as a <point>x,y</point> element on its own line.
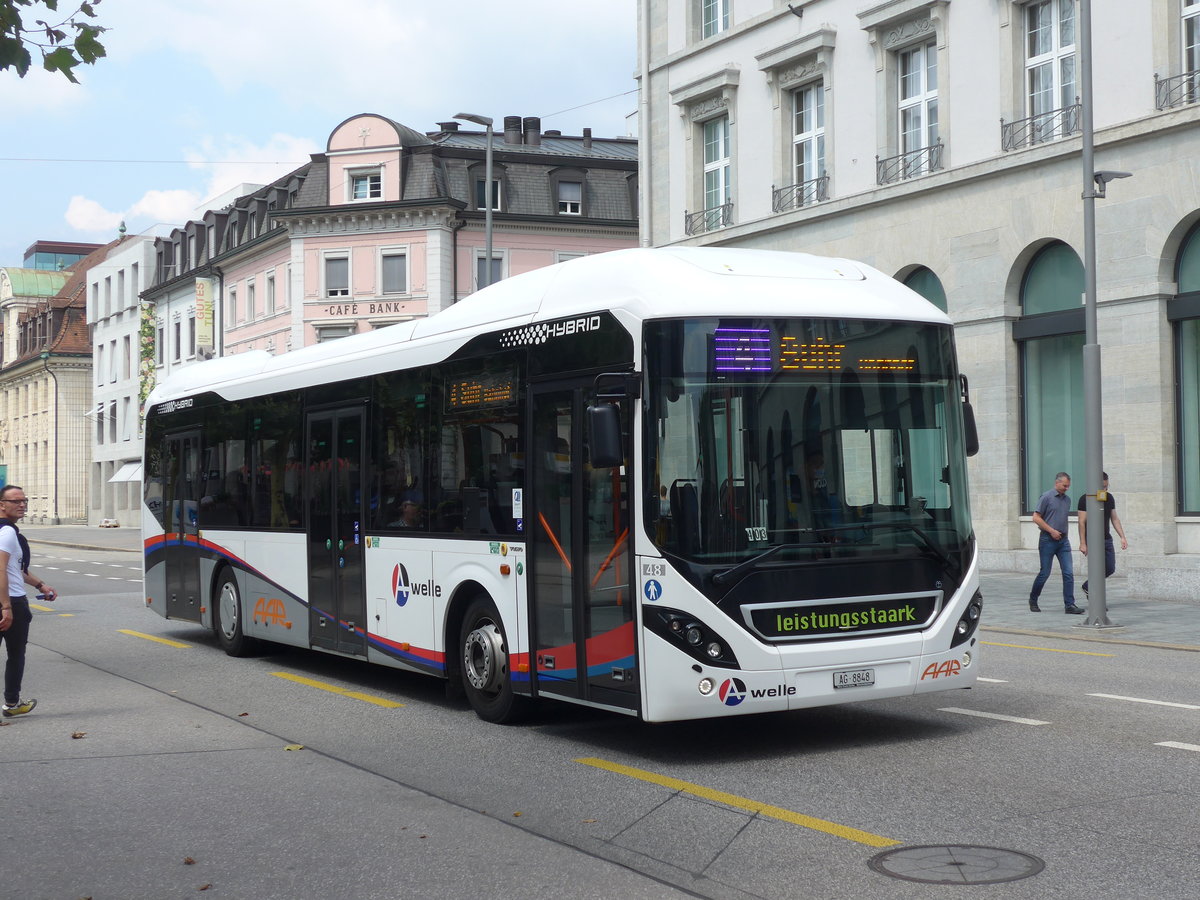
<point>388,225</point>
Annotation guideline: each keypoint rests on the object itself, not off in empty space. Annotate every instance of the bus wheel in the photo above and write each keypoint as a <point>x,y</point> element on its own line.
<point>485,671</point>
<point>227,617</point>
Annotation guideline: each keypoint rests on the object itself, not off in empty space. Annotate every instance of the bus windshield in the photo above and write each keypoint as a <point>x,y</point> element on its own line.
<point>798,440</point>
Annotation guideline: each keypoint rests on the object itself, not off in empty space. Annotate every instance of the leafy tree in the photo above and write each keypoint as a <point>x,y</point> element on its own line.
<point>63,45</point>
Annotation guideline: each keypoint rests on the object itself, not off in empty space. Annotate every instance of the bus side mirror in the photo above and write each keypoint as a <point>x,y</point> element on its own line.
<point>970,432</point>
<point>604,420</point>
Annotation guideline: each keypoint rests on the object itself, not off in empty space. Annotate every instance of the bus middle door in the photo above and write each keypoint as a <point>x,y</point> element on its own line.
<point>585,643</point>
<point>181,496</point>
<point>334,490</point>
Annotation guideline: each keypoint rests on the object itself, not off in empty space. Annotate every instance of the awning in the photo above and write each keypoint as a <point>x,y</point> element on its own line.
<point>128,472</point>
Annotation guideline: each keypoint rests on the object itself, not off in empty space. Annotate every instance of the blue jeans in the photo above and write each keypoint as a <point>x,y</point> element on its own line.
<point>1110,560</point>
<point>1048,550</point>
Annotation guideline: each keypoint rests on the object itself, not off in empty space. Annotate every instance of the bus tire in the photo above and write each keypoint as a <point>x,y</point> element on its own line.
<point>486,678</point>
<point>227,617</point>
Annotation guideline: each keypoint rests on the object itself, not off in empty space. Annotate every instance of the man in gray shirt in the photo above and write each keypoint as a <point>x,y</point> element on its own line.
<point>1053,511</point>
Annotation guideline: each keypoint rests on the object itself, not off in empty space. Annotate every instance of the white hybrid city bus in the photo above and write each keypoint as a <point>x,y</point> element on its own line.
<point>672,483</point>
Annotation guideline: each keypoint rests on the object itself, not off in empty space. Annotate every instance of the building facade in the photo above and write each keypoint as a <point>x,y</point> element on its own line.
<point>114,318</point>
<point>387,225</point>
<point>46,388</point>
<point>940,141</point>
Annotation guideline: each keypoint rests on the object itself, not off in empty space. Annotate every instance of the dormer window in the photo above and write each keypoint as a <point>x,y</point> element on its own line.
<point>366,184</point>
<point>570,198</point>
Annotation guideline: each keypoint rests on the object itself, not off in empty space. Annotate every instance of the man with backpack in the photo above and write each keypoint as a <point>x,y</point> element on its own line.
<point>15,615</point>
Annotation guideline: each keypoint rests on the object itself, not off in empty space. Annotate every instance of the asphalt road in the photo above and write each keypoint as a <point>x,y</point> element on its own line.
<point>1081,755</point>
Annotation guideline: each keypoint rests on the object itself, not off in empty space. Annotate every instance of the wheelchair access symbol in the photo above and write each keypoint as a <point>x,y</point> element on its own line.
<point>652,589</point>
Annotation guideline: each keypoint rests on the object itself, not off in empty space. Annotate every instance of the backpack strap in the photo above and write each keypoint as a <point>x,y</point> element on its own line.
<point>24,544</point>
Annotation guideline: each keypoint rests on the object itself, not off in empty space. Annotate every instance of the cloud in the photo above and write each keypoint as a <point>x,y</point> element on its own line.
<point>221,164</point>
<point>87,215</point>
<point>233,160</point>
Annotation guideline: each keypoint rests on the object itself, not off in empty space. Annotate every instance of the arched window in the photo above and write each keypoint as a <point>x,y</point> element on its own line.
<point>1184,312</point>
<point>929,286</point>
<point>1050,336</point>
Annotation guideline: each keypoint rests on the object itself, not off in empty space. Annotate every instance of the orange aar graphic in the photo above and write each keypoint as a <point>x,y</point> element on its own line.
<point>271,612</point>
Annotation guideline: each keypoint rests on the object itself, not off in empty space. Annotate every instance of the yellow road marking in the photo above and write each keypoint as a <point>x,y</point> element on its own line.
<point>774,812</point>
<point>1047,649</point>
<point>39,606</point>
<point>321,685</point>
<point>157,640</point>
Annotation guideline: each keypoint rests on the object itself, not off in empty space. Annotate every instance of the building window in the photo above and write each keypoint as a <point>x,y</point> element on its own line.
<point>570,198</point>
<point>918,106</point>
<point>393,272</point>
<point>159,350</point>
<point>231,307</point>
<point>100,364</point>
<point>714,17</point>
<point>482,275</point>
<point>125,357</point>
<point>251,300</point>
<point>481,200</point>
<point>178,342</point>
<point>337,276</point>
<point>1184,311</point>
<point>270,298</point>
<point>1191,36</point>
<point>366,185</point>
<point>1050,69</point>
<point>808,142</point>
<point>191,335</point>
<point>716,170</point>
<point>928,285</point>
<point>1050,335</point>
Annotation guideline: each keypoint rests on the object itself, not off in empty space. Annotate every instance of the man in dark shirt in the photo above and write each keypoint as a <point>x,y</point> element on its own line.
<point>1111,521</point>
<point>1051,517</point>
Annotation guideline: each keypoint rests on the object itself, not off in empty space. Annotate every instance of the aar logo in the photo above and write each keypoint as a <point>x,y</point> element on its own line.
<point>400,588</point>
<point>732,692</point>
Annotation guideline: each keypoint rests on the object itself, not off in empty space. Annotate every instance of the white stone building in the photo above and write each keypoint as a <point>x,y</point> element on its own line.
<point>114,319</point>
<point>939,141</point>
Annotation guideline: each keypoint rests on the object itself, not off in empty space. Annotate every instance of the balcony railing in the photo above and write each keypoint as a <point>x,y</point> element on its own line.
<point>708,219</point>
<point>1178,90</point>
<point>795,196</point>
<point>1047,126</point>
<point>909,165</point>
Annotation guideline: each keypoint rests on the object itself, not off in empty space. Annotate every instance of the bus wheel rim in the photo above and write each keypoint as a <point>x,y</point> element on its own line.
<point>229,610</point>
<point>483,656</point>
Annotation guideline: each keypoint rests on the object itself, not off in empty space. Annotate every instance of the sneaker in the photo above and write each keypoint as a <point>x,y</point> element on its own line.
<point>1033,607</point>
<point>19,708</point>
<point>1074,611</point>
<point>1085,593</point>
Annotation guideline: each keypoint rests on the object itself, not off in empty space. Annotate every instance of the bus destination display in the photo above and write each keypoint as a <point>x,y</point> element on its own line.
<point>483,392</point>
<point>759,350</point>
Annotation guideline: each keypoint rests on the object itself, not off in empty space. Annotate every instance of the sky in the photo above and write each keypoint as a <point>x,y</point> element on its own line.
<point>196,98</point>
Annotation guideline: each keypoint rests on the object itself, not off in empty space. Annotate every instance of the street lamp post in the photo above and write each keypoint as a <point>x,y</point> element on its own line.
<point>1094,183</point>
<point>486,122</point>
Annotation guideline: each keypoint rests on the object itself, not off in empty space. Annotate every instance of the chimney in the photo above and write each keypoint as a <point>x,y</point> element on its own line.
<point>448,126</point>
<point>533,130</point>
<point>587,139</point>
<point>551,132</point>
<point>512,129</point>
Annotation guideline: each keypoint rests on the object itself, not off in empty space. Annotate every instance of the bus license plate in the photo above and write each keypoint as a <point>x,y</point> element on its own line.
<point>854,678</point>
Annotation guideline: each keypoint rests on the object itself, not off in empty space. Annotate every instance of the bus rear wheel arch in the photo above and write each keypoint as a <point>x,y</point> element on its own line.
<point>485,667</point>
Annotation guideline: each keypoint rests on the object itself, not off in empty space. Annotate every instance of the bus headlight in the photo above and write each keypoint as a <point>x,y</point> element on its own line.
<point>969,622</point>
<point>694,635</point>
<point>714,650</point>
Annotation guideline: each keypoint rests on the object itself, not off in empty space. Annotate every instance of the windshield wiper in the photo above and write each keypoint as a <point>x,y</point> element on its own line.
<point>918,531</point>
<point>735,574</point>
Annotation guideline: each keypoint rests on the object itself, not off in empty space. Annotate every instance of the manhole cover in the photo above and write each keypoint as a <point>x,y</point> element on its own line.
<point>956,864</point>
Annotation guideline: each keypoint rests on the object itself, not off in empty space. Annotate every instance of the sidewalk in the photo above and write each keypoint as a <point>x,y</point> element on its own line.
<point>1005,598</point>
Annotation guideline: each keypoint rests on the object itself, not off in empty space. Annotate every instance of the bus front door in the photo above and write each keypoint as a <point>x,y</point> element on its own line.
<point>181,496</point>
<point>334,490</point>
<point>585,643</point>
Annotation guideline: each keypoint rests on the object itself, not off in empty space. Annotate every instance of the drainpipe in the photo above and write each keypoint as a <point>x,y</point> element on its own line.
<point>45,356</point>
<point>219,314</point>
